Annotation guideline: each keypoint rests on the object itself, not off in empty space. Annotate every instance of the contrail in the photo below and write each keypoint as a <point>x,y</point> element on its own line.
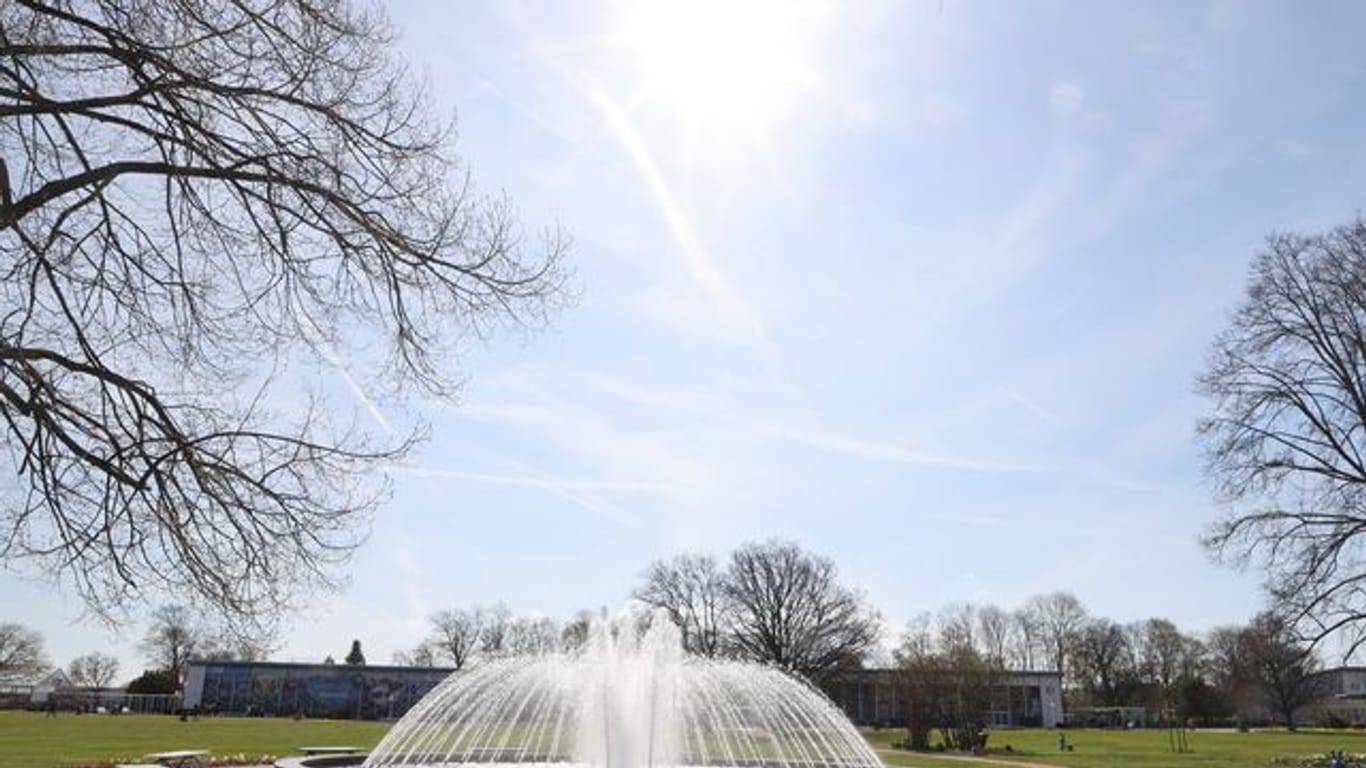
<point>701,266</point>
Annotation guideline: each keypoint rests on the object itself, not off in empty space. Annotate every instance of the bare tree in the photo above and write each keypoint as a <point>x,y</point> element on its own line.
<point>96,670</point>
<point>1024,637</point>
<point>176,635</point>
<point>993,633</point>
<point>1098,658</point>
<point>222,644</point>
<point>1194,693</point>
<point>529,636</point>
<point>424,654</point>
<point>457,634</point>
<point>574,634</point>
<point>21,650</point>
<point>493,634</point>
<point>1230,670</point>
<point>464,635</point>
<point>173,638</point>
<point>1284,668</point>
<point>957,625</point>
<point>1285,443</point>
<point>786,608</point>
<point>918,668</point>
<point>1136,636</point>
<point>691,589</point>
<point>1162,652</point>
<point>944,681</point>
<point>198,201</point>
<point>1060,616</point>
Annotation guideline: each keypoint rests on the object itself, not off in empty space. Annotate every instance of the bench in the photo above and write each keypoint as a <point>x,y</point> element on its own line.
<point>176,758</point>
<point>331,750</point>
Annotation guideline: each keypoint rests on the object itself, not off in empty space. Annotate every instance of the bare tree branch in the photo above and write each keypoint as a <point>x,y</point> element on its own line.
<point>1285,443</point>
<point>203,205</point>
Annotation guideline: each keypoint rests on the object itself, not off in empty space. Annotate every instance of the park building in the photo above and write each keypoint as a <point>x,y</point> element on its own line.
<point>275,689</point>
<point>31,690</point>
<point>1334,697</point>
<point>1020,699</point>
<point>1339,698</point>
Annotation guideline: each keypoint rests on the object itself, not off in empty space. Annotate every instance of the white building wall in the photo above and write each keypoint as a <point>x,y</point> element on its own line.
<point>194,686</point>
<point>1050,693</point>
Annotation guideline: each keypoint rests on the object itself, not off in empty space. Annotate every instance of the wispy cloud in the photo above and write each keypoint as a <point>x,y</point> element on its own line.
<point>863,448</point>
<point>532,115</point>
<point>1028,405</point>
<point>536,481</point>
<point>1063,171</point>
<point>710,415</point>
<point>514,472</point>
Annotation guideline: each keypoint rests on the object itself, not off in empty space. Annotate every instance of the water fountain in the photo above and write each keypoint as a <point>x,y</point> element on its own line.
<point>627,700</point>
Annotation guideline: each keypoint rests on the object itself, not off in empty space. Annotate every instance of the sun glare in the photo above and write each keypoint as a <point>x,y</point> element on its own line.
<point>724,66</point>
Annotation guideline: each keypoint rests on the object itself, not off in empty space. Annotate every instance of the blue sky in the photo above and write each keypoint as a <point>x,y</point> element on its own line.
<point>923,286</point>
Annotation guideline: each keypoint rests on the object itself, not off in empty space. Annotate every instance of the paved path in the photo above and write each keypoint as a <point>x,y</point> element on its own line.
<point>965,758</point>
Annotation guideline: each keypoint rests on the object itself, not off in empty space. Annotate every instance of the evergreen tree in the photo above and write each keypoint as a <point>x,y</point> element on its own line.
<point>355,658</point>
<point>155,681</point>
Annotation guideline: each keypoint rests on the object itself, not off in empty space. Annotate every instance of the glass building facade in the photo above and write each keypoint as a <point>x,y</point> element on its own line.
<point>1020,700</point>
<point>270,689</point>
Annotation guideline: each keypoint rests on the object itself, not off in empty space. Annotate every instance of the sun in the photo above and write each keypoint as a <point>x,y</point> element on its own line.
<point>723,66</point>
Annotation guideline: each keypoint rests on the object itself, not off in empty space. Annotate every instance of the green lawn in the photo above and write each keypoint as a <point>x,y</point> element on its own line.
<point>1145,749</point>
<point>33,740</point>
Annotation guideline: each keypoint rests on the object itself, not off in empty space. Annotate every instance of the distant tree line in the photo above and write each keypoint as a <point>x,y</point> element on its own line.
<point>770,602</point>
<point>774,603</point>
<point>462,636</point>
<point>21,650</point>
<point>951,662</point>
<point>22,656</point>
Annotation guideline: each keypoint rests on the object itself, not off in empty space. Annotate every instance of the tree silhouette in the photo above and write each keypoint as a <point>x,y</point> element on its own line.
<point>355,657</point>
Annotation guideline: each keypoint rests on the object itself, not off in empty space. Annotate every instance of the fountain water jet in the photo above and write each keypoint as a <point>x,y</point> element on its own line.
<point>627,700</point>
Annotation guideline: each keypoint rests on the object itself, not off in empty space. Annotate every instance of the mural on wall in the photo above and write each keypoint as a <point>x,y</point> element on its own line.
<point>315,691</point>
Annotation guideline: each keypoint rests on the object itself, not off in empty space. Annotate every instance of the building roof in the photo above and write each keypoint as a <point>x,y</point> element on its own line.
<point>887,671</point>
<point>54,677</point>
<point>319,666</point>
<point>1007,671</point>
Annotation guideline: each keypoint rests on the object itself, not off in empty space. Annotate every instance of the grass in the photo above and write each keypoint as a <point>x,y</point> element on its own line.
<point>33,740</point>
<point>1142,749</point>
